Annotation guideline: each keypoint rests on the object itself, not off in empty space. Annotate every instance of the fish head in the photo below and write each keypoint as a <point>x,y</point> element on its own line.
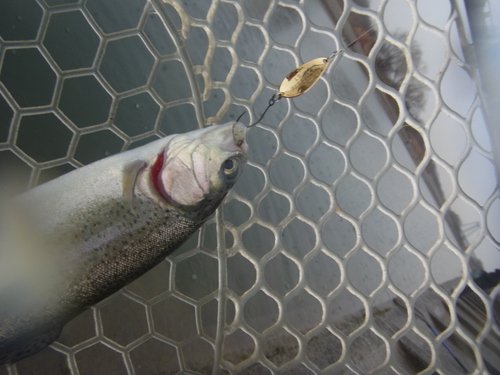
<point>195,171</point>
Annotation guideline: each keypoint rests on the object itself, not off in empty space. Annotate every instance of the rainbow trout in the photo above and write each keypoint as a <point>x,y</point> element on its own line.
<point>69,243</point>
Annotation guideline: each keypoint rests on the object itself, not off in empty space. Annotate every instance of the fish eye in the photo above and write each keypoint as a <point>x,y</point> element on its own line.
<point>230,166</point>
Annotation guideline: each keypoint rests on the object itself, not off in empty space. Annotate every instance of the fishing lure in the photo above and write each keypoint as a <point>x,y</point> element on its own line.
<point>302,79</point>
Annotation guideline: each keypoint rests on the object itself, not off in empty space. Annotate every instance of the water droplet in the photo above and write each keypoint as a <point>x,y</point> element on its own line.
<point>137,105</point>
<point>67,29</point>
<point>19,18</point>
<point>194,276</point>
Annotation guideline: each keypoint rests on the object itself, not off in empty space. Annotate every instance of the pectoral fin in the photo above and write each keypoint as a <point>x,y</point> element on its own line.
<point>130,173</point>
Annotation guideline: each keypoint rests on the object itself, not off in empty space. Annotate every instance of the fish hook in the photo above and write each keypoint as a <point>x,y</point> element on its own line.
<point>272,101</point>
<point>239,118</point>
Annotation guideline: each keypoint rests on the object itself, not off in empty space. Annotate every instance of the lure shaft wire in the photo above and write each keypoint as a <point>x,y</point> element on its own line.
<point>350,44</point>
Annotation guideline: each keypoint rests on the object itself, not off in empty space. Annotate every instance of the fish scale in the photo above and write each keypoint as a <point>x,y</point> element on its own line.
<point>119,266</point>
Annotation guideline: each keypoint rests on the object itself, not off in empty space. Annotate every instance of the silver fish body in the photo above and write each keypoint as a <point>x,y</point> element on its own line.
<point>77,239</point>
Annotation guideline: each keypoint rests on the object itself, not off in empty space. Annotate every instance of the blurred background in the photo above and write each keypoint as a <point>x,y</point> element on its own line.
<point>363,236</point>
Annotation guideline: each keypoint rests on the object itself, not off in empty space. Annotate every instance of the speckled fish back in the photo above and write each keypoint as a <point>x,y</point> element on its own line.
<point>133,240</point>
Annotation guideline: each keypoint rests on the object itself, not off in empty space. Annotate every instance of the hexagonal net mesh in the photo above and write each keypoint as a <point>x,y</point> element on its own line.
<point>363,236</point>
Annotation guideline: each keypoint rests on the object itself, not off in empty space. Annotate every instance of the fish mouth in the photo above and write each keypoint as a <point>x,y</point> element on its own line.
<point>239,132</point>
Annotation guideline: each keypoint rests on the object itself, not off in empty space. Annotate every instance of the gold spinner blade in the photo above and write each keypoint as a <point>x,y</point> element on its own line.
<point>301,79</point>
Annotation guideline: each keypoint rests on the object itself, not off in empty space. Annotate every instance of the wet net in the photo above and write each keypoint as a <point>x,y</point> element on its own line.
<point>363,236</point>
